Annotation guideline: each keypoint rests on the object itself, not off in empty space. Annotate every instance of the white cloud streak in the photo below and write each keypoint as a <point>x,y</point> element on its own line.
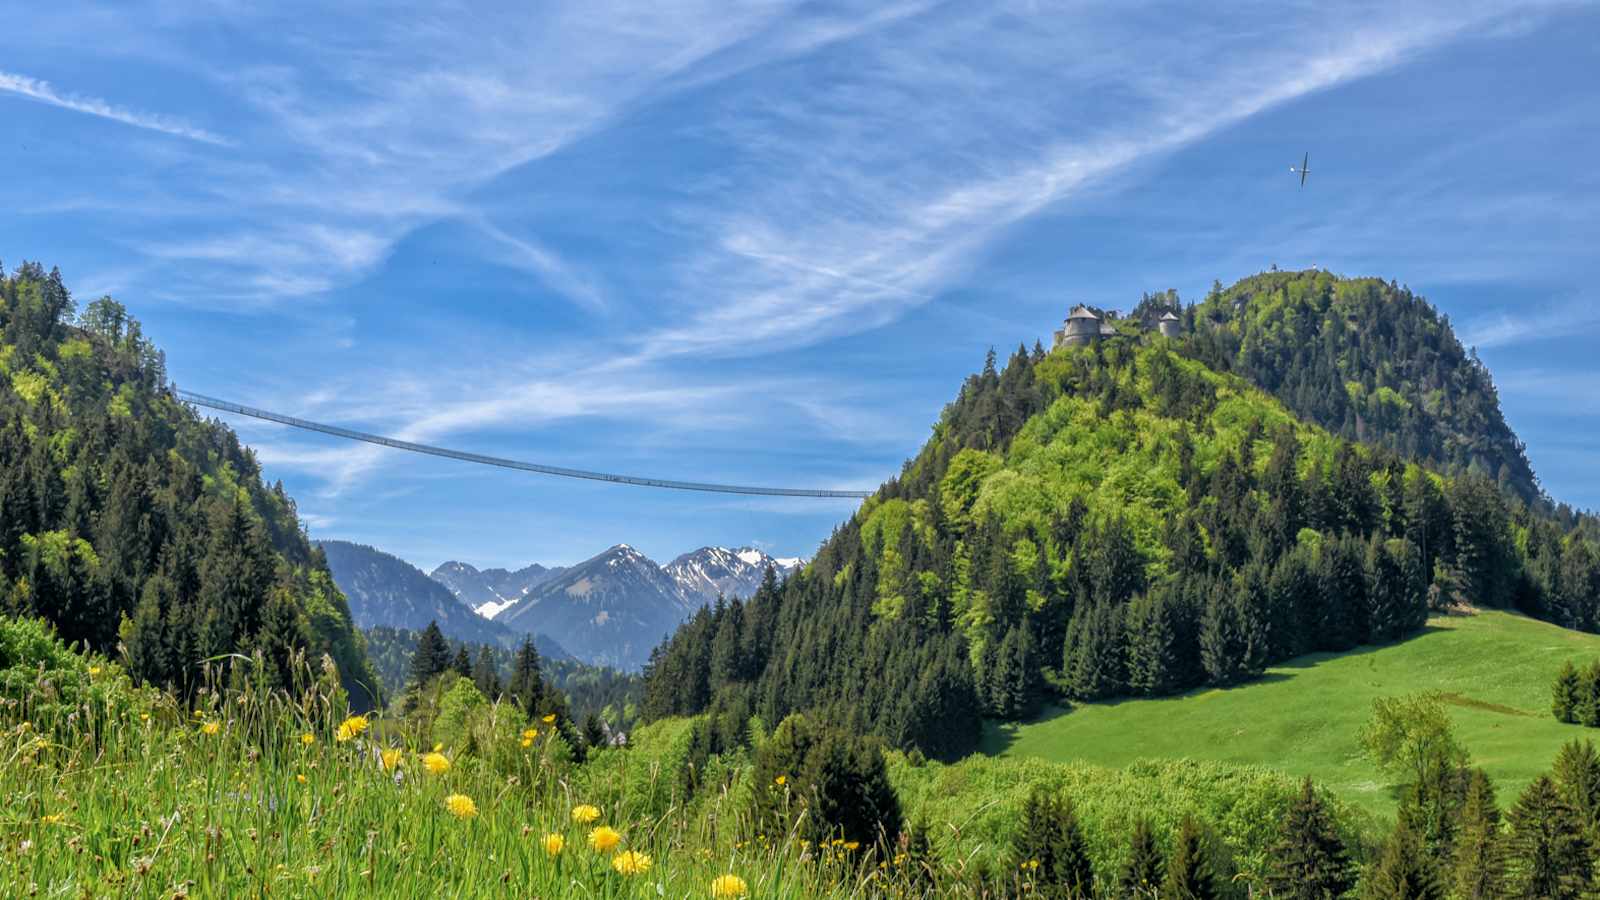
<point>44,92</point>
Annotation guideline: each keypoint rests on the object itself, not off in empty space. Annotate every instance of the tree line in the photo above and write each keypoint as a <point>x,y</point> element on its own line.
<point>998,572</point>
<point>127,519</point>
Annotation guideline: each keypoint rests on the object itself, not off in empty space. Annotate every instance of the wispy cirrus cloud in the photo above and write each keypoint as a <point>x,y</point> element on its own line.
<point>874,195</point>
<point>44,92</point>
<point>1555,321</point>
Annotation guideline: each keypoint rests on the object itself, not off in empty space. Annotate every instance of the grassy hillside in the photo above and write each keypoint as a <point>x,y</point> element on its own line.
<point>1303,716</point>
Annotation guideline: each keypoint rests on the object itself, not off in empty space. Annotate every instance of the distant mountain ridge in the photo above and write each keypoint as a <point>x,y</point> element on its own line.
<point>614,608</point>
<point>490,591</point>
<point>384,590</point>
<point>713,571</point>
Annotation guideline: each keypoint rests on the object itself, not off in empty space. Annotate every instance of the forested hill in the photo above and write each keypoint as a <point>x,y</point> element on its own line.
<point>1369,361</point>
<point>127,518</point>
<point>1122,519</point>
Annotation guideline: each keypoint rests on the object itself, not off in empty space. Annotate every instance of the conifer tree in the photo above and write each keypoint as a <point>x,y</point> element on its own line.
<point>1309,861</point>
<point>1479,863</point>
<point>1577,776</point>
<point>1189,871</point>
<point>1547,855</point>
<point>594,731</point>
<point>527,681</point>
<point>463,662</point>
<point>1404,870</point>
<point>432,656</point>
<point>485,675</point>
<point>1564,700</point>
<point>1143,870</point>
<point>1048,849</point>
<point>1586,710</point>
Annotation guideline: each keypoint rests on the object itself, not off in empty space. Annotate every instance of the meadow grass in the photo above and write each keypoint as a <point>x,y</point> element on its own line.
<point>1304,717</point>
<point>256,795</point>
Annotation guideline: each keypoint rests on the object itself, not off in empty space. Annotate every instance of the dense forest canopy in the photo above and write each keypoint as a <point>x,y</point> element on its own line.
<point>1369,361</point>
<point>1125,519</point>
<point>127,519</point>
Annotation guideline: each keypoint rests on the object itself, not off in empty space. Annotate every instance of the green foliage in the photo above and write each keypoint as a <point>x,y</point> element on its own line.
<point>1412,736</point>
<point>1136,517</point>
<point>1547,852</point>
<point>1479,856</point>
<point>825,784</point>
<point>126,518</point>
<point>1048,849</point>
<point>1404,870</point>
<point>1309,861</point>
<point>1189,872</point>
<point>1144,869</point>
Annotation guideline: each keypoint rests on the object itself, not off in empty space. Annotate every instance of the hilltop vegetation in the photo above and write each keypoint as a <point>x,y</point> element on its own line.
<point>1122,519</point>
<point>1369,361</point>
<point>127,519</point>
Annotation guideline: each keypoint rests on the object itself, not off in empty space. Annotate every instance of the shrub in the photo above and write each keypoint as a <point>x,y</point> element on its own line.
<point>825,783</point>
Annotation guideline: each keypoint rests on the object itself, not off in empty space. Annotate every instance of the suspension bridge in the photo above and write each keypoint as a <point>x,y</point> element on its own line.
<point>481,459</point>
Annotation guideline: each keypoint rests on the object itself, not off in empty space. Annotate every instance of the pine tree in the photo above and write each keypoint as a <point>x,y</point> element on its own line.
<point>1564,702</point>
<point>485,675</point>
<point>1577,777</point>
<point>1404,870</point>
<point>463,662</point>
<point>527,681</point>
<point>432,657</point>
<point>594,731</point>
<point>1547,855</point>
<point>1479,863</point>
<point>1309,861</point>
<point>1143,870</point>
<point>1048,849</point>
<point>1189,872</point>
<point>1586,710</point>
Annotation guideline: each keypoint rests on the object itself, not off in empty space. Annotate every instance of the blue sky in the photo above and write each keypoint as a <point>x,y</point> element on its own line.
<point>764,242</point>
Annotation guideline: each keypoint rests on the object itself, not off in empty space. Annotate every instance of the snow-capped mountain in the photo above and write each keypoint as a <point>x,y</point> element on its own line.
<point>491,591</point>
<point>385,590</point>
<point>712,571</point>
<point>614,608</point>
<point>610,610</point>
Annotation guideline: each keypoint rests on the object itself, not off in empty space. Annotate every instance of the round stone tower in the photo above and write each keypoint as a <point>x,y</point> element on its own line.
<point>1170,324</point>
<point>1083,327</point>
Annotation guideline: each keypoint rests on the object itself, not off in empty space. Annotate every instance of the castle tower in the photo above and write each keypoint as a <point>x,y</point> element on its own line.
<point>1170,324</point>
<point>1082,327</point>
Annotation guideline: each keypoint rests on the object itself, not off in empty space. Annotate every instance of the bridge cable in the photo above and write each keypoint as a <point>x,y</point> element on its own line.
<point>481,459</point>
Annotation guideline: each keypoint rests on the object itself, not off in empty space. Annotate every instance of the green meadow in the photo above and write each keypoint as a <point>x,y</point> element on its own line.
<point>1303,717</point>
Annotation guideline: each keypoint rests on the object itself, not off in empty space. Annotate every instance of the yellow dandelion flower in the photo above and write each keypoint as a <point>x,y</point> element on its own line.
<point>461,806</point>
<point>436,763</point>
<point>781,780</point>
<point>308,739</point>
<point>390,760</point>
<point>144,717</point>
<point>631,862</point>
<point>554,844</point>
<point>852,846</point>
<point>350,729</point>
<point>54,819</point>
<point>604,839</point>
<point>527,742</point>
<point>300,778</point>
<point>729,886</point>
<point>93,671</point>
<point>529,734</point>
<point>585,814</point>
<point>211,728</point>
<point>549,719</point>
